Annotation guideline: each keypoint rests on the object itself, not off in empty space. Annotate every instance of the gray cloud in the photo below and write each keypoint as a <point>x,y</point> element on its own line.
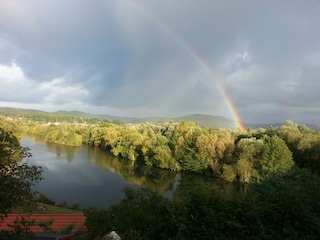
<point>142,58</point>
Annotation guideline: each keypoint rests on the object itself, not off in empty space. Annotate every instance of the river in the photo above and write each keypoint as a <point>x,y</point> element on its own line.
<point>90,176</point>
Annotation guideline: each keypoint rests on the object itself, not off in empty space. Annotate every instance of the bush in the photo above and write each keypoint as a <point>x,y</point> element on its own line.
<point>42,198</point>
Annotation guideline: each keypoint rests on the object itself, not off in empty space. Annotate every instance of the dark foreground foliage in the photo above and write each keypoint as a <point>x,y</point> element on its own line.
<point>16,178</point>
<point>283,206</point>
<point>16,181</point>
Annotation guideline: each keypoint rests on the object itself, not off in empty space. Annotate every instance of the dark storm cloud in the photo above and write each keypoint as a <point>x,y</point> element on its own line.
<point>144,58</point>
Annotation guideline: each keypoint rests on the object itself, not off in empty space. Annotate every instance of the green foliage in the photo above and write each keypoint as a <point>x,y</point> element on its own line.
<point>67,229</point>
<point>142,208</point>
<point>286,206</point>
<point>275,158</point>
<point>228,173</point>
<point>98,223</point>
<point>16,178</point>
<point>202,214</point>
<point>21,229</point>
<point>282,206</point>
<point>142,214</point>
<point>258,158</point>
<point>42,198</point>
<point>242,156</point>
<point>16,181</point>
<point>46,225</point>
<point>63,133</point>
<point>304,143</point>
<point>244,170</point>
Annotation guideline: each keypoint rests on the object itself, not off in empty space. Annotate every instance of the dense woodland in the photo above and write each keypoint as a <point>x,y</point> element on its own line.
<point>233,155</point>
<point>279,168</point>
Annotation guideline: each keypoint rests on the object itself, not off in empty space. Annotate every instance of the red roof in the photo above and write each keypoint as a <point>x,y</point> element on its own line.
<point>60,221</point>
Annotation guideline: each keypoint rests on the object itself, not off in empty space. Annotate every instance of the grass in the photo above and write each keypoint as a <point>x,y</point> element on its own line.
<point>43,208</point>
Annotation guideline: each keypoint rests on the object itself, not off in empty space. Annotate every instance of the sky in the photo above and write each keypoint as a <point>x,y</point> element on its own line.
<point>249,60</point>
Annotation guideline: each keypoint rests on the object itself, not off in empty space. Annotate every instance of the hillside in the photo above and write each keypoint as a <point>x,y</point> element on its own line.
<point>77,116</point>
<point>208,120</point>
<point>275,125</point>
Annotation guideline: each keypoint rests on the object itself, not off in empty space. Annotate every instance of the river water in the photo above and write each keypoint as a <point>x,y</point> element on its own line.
<point>90,176</point>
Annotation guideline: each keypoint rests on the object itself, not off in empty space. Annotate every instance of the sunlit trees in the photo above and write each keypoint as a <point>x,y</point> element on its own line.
<point>96,135</point>
<point>309,151</point>
<point>258,158</point>
<point>249,150</point>
<point>160,155</point>
<point>108,135</point>
<point>192,146</point>
<point>231,154</point>
<point>246,155</point>
<point>275,158</point>
<point>186,146</point>
<point>124,145</point>
<point>72,138</point>
<point>291,134</point>
<point>304,143</point>
<point>63,134</point>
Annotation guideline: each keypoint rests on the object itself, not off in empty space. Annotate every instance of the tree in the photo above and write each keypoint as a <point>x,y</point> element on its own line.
<point>308,151</point>
<point>276,157</point>
<point>16,178</point>
<point>258,158</point>
<point>248,153</point>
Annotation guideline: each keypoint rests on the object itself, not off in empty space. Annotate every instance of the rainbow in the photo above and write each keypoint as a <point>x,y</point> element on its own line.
<point>161,23</point>
<point>233,111</point>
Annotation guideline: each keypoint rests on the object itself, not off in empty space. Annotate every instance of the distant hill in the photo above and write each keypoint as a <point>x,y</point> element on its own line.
<point>70,116</point>
<point>275,125</point>
<point>262,125</point>
<point>209,121</point>
<point>7,111</point>
<point>42,116</point>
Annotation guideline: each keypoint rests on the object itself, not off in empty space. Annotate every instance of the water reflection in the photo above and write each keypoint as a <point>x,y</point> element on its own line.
<point>91,176</point>
<point>157,180</point>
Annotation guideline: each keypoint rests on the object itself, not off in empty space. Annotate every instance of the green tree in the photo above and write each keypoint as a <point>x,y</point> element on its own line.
<point>308,151</point>
<point>276,157</point>
<point>248,154</point>
<point>124,144</point>
<point>16,178</point>
<point>185,149</point>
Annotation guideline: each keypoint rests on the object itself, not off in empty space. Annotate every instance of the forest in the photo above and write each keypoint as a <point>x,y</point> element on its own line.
<point>278,167</point>
<point>233,155</point>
